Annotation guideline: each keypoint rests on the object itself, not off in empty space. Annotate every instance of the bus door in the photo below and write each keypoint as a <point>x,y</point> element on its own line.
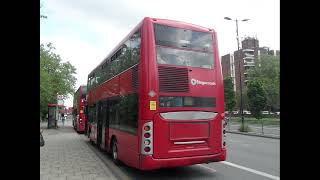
<point>99,122</point>
<point>105,126</point>
<point>94,122</point>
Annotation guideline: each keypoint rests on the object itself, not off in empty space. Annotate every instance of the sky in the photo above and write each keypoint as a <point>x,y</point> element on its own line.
<point>85,31</point>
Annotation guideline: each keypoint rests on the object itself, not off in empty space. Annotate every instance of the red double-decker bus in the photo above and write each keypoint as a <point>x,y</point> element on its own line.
<point>157,99</point>
<point>79,104</point>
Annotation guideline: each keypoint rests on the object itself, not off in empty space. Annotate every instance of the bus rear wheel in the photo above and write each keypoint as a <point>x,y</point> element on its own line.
<point>114,153</point>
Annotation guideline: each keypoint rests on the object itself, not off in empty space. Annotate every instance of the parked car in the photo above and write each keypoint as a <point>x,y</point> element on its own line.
<point>265,112</point>
<point>246,112</point>
<point>235,112</point>
<point>278,113</point>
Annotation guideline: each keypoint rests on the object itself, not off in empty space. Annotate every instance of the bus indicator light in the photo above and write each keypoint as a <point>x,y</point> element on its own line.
<point>146,128</point>
<point>146,149</point>
<point>146,135</point>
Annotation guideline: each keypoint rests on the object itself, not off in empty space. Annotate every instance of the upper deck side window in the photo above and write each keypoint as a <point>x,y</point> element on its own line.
<point>125,57</point>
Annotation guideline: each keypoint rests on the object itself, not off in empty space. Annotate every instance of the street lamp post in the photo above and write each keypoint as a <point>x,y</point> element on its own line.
<point>240,78</point>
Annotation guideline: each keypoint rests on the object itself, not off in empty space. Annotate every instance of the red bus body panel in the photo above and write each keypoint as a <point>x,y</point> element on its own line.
<point>128,147</point>
<point>197,130</point>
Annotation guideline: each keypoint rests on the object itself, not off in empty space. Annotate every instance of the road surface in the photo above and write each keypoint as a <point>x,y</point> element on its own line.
<point>249,157</point>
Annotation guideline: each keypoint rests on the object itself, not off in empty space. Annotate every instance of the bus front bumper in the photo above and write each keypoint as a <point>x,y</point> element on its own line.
<point>147,162</point>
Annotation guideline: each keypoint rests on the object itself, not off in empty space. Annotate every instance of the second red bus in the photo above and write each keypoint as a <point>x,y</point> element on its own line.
<point>79,103</point>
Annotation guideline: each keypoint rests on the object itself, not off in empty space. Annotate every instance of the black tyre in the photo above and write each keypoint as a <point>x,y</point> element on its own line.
<point>114,153</point>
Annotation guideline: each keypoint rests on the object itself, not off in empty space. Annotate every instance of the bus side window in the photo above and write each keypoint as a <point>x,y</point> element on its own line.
<point>125,57</point>
<point>135,47</point>
<point>128,112</point>
<point>89,118</point>
<point>115,63</point>
<point>114,114</point>
<point>104,72</point>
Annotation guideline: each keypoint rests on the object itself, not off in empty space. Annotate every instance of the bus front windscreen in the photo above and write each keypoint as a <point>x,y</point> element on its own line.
<point>84,92</point>
<point>183,47</point>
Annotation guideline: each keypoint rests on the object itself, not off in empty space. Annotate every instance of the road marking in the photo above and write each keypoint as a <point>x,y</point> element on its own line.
<point>212,170</point>
<point>251,170</point>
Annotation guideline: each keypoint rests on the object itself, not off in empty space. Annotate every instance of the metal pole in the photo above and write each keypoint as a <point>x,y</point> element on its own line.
<point>237,34</point>
<point>240,74</point>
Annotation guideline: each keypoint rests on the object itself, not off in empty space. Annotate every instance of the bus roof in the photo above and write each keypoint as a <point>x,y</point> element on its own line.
<point>182,24</point>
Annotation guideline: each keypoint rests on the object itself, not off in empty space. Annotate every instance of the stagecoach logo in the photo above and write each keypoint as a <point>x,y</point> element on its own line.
<point>195,82</point>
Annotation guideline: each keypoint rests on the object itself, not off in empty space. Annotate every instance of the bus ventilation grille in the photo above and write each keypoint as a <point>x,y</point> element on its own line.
<point>172,79</point>
<point>135,78</point>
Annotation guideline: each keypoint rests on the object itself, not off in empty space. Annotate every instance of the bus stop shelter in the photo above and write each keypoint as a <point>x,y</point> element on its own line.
<point>53,115</point>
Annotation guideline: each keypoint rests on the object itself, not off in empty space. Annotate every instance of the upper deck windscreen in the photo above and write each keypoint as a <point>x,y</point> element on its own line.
<point>183,47</point>
<point>84,92</point>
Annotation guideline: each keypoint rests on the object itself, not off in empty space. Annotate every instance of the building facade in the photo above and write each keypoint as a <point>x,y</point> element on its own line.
<point>227,61</point>
<point>242,60</point>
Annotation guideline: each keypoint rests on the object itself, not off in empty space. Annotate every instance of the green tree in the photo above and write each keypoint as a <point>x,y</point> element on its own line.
<point>267,70</point>
<point>229,95</point>
<point>256,98</point>
<point>55,77</point>
<point>244,99</point>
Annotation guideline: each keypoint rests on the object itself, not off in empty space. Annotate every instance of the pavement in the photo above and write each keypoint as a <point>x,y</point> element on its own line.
<point>271,131</point>
<point>66,156</point>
